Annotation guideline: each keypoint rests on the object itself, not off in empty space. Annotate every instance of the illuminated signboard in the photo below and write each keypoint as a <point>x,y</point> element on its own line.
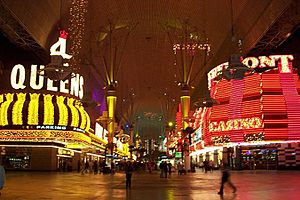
<point>21,77</point>
<point>178,154</point>
<point>198,134</point>
<point>59,48</point>
<point>105,134</point>
<point>235,124</point>
<point>99,130</point>
<point>260,62</point>
<point>43,127</point>
<point>264,106</point>
<point>119,144</point>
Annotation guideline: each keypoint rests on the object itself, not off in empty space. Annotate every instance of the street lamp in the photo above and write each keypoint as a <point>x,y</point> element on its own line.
<point>188,133</point>
<point>188,44</point>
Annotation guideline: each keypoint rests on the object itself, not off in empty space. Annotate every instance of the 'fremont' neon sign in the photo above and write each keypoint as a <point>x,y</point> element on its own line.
<point>284,64</point>
<point>235,124</point>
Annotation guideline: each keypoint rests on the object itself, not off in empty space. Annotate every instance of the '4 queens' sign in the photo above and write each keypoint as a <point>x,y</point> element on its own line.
<point>19,76</point>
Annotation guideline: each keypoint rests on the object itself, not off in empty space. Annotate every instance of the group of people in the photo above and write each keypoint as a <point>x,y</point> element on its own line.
<point>165,169</point>
<point>95,167</point>
<point>208,166</point>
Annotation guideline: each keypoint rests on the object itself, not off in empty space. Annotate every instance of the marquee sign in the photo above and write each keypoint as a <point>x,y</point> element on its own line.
<point>284,63</point>
<point>235,124</point>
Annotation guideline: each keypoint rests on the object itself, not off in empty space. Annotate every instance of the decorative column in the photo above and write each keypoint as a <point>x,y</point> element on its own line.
<point>185,106</point>
<point>111,99</point>
<point>188,43</point>
<point>131,144</point>
<point>114,38</point>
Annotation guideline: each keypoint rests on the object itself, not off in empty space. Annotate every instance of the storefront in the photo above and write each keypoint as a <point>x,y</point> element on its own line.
<point>43,124</point>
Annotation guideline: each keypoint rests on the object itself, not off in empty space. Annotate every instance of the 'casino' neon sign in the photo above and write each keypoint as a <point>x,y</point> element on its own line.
<point>260,62</point>
<point>235,124</point>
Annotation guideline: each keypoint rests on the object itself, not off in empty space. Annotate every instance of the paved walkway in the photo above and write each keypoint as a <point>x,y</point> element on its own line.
<point>259,185</point>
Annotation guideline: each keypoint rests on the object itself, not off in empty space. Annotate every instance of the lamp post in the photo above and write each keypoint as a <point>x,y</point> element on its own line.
<point>187,42</point>
<point>131,145</point>
<point>111,105</point>
<point>112,42</point>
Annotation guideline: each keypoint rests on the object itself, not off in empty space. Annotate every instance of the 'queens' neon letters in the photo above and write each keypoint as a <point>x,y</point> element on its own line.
<point>37,82</point>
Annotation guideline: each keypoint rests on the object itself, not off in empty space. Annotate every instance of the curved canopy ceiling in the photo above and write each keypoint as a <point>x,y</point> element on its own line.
<point>149,71</point>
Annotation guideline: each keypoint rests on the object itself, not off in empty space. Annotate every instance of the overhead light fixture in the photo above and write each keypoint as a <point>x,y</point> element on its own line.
<point>56,70</point>
<point>207,101</point>
<point>236,69</point>
<point>188,130</point>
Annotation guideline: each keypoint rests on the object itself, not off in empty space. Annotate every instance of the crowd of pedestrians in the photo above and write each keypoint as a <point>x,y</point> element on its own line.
<point>98,167</point>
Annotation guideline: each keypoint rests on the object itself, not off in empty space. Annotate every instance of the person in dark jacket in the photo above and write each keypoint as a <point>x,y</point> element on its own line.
<point>226,179</point>
<point>2,177</point>
<point>128,172</point>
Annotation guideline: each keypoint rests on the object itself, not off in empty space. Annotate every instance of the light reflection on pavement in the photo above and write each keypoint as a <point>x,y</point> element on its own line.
<point>252,185</point>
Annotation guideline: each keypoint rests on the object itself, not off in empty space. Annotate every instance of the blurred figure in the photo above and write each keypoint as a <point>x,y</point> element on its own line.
<point>85,167</point>
<point>78,166</point>
<point>206,166</point>
<point>149,165</point>
<point>170,168</point>
<point>2,177</point>
<point>128,172</point>
<point>95,167</point>
<point>201,165</point>
<point>161,167</point>
<point>211,165</point>
<point>180,168</point>
<point>165,166</point>
<point>226,179</point>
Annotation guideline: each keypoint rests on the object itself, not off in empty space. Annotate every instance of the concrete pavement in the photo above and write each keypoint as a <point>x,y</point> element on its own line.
<point>252,185</point>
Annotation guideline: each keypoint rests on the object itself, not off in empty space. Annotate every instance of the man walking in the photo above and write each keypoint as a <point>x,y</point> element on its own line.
<point>128,172</point>
<point>226,179</point>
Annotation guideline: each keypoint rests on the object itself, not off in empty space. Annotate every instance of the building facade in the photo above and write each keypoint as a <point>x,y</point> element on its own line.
<point>256,123</point>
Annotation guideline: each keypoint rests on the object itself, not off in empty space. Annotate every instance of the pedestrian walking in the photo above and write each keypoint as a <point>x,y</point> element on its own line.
<point>2,177</point>
<point>78,166</point>
<point>170,168</point>
<point>161,167</point>
<point>95,167</point>
<point>165,167</point>
<point>206,166</point>
<point>128,172</point>
<point>226,179</point>
<point>211,165</point>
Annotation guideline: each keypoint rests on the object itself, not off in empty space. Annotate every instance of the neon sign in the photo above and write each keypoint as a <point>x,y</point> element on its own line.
<point>285,65</point>
<point>61,44</point>
<point>74,86</point>
<point>235,124</point>
<point>37,82</point>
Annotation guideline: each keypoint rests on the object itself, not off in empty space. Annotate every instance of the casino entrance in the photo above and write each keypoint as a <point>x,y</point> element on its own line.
<point>259,157</point>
